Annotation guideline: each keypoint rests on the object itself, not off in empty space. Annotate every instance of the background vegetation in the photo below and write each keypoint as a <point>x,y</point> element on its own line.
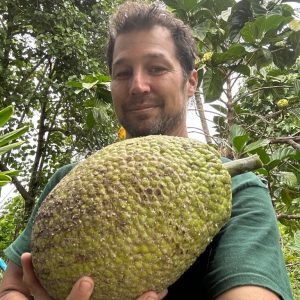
<point>52,70</point>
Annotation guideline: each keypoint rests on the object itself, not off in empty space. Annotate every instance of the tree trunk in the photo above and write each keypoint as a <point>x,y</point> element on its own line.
<point>200,109</point>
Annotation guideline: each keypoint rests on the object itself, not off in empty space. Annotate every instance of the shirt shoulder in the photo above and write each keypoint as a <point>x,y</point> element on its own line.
<point>247,250</point>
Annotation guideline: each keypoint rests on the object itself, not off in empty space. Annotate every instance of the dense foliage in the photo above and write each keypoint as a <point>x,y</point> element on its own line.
<point>43,44</point>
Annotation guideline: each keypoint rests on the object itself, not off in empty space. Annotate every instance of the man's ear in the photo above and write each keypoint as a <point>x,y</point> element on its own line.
<point>192,83</point>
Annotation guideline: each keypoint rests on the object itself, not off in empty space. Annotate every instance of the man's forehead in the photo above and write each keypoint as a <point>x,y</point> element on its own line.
<point>147,56</point>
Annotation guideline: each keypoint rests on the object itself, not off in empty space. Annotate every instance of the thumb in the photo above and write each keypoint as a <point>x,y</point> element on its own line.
<point>82,289</point>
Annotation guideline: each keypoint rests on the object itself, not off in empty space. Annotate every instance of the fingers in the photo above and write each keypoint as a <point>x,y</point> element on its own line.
<point>31,280</point>
<point>162,294</point>
<point>153,295</point>
<point>82,290</point>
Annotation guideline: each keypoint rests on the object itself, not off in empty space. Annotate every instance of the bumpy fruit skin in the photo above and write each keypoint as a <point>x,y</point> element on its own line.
<point>282,103</point>
<point>134,216</point>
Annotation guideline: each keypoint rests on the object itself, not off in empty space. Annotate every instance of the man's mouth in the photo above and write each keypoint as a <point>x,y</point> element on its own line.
<point>142,108</point>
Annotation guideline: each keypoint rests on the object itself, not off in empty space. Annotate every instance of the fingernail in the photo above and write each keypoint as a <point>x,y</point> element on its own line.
<point>85,286</point>
<point>151,298</point>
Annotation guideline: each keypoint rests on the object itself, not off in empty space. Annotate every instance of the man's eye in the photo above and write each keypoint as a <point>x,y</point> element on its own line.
<point>122,74</point>
<point>157,70</point>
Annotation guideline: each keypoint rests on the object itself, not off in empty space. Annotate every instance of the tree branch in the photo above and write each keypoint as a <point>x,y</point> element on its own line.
<point>287,216</point>
<point>292,140</point>
<point>201,112</point>
<point>293,264</point>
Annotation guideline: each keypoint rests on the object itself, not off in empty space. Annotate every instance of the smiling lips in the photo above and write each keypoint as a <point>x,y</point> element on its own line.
<point>142,108</point>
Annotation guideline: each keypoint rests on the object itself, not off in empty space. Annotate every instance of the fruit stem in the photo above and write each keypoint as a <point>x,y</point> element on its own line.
<point>243,165</point>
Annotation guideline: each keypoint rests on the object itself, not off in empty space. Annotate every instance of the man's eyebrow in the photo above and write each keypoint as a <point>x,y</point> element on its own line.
<point>124,60</point>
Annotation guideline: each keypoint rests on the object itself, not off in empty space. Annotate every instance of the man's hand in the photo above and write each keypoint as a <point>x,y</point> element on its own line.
<point>82,289</point>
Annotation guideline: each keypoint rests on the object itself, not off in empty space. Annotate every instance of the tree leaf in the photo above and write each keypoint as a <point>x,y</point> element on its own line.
<point>9,147</point>
<point>225,14</point>
<point>297,87</point>
<point>237,130</point>
<point>5,114</point>
<point>255,145</point>
<point>279,156</point>
<point>90,120</point>
<point>219,108</point>
<point>89,85</point>
<point>241,13</point>
<point>241,69</point>
<point>234,52</point>
<point>5,177</point>
<point>10,136</point>
<point>261,58</point>
<point>295,25</point>
<point>297,239</point>
<point>283,57</point>
<point>74,84</point>
<point>11,173</point>
<point>213,81</point>
<point>238,137</point>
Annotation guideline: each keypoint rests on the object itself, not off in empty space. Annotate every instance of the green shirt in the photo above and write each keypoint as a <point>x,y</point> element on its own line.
<point>246,251</point>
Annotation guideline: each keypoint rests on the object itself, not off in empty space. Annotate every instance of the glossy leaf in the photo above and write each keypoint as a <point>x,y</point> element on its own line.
<point>13,135</point>
<point>213,81</point>
<point>5,114</point>
<point>9,147</point>
<point>239,138</point>
<point>279,156</point>
<point>234,52</point>
<point>255,145</point>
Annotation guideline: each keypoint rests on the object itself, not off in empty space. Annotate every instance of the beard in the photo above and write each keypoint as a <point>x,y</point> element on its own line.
<point>163,124</point>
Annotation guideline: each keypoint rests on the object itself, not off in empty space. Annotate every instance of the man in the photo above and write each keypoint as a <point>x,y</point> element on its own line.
<point>151,60</point>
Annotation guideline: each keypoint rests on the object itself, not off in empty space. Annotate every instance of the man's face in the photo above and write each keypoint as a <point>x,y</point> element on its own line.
<point>148,89</point>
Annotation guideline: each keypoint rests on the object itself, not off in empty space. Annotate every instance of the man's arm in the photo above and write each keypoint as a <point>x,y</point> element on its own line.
<point>248,293</point>
<point>12,286</point>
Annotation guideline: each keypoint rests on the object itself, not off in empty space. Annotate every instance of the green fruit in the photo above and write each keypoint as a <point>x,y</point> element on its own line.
<point>134,216</point>
<point>282,103</point>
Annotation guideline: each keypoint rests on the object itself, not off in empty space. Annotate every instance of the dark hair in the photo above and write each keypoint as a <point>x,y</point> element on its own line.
<point>136,15</point>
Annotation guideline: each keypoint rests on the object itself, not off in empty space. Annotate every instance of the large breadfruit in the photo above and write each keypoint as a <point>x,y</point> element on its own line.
<point>134,216</point>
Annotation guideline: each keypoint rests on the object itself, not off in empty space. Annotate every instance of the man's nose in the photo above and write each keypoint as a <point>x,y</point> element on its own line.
<point>140,83</point>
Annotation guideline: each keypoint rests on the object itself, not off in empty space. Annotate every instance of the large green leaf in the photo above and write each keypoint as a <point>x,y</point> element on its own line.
<point>4,177</point>
<point>255,145</point>
<point>261,58</point>
<point>283,57</point>
<point>183,7</point>
<point>254,32</point>
<point>279,156</point>
<point>89,85</point>
<point>11,173</point>
<point>201,30</point>
<point>221,109</point>
<point>241,69</point>
<point>5,114</point>
<point>213,81</point>
<point>10,136</point>
<point>234,52</point>
<point>238,137</point>
<point>241,13</point>
<point>9,147</point>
